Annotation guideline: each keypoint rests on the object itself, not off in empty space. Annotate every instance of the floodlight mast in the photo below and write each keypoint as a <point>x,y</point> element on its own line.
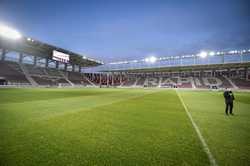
<point>9,33</point>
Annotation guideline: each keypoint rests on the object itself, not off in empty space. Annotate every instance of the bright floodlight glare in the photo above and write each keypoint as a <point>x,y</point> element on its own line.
<point>151,59</point>
<point>10,33</point>
<point>203,54</point>
<point>211,53</point>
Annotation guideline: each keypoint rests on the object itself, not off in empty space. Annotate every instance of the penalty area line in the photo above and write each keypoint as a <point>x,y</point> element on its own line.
<point>202,140</point>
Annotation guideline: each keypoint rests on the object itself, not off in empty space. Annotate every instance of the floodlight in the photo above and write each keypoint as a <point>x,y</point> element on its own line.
<point>211,53</point>
<point>152,59</point>
<point>202,54</point>
<point>9,33</point>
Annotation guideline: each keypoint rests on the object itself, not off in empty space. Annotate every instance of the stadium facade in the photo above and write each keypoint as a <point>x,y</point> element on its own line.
<point>29,62</point>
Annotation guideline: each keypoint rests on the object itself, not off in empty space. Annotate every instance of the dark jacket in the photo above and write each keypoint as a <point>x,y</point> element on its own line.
<point>229,97</point>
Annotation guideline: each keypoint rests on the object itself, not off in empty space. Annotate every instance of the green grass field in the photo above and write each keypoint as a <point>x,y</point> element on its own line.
<point>120,127</point>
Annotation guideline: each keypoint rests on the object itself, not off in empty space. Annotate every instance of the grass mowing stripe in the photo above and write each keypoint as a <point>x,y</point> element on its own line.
<point>106,104</point>
<point>203,142</point>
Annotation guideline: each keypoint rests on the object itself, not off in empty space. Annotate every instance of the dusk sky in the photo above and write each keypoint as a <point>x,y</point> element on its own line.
<point>113,30</point>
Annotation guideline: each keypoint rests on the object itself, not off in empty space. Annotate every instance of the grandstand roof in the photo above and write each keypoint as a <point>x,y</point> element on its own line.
<point>37,48</point>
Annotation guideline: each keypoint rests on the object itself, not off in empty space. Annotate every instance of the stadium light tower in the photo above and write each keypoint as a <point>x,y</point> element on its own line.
<point>9,33</point>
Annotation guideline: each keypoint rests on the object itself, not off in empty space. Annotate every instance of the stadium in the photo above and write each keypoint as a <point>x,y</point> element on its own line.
<point>59,107</point>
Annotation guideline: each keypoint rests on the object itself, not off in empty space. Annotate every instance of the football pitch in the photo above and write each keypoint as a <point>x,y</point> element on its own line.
<point>122,127</point>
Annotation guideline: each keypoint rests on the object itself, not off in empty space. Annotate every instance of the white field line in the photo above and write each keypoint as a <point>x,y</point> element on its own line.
<point>203,142</point>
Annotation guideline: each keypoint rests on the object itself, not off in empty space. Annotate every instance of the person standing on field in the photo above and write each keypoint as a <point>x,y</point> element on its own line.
<point>229,99</point>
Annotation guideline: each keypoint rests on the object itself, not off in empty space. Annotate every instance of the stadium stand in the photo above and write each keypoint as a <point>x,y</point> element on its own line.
<point>198,82</point>
<point>40,64</point>
<point>152,81</point>
<point>50,81</point>
<point>129,81</point>
<point>12,74</point>
<point>185,82</point>
<point>79,79</point>
<point>53,72</point>
<point>241,83</point>
<point>141,81</point>
<point>46,76</point>
<point>200,79</point>
<point>167,82</point>
<point>34,70</point>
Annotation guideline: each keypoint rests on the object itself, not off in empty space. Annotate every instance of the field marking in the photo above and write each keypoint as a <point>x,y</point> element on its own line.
<point>203,142</point>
